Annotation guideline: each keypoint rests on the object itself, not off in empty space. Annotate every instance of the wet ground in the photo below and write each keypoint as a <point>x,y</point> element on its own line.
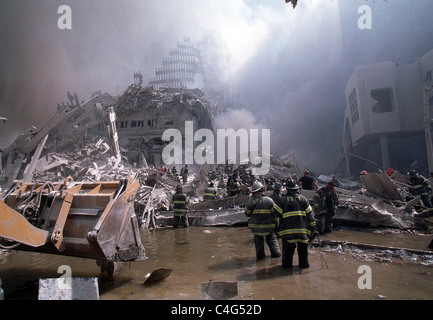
<point>199,254</point>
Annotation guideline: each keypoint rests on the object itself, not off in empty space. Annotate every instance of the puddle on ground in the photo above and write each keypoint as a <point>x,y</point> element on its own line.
<point>201,254</point>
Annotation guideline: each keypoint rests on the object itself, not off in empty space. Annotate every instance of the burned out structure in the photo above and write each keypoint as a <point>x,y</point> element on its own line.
<point>386,121</point>
<point>144,113</point>
<point>133,123</point>
<point>200,65</point>
<point>67,191</point>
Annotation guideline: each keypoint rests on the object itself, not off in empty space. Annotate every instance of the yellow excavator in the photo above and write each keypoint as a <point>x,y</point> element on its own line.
<point>93,220</point>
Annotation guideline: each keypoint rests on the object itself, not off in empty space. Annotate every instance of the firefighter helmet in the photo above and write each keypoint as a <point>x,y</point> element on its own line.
<point>291,184</point>
<point>257,186</point>
<point>412,174</point>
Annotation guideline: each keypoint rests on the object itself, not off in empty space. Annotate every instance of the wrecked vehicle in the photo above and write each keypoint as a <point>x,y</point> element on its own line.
<point>81,219</point>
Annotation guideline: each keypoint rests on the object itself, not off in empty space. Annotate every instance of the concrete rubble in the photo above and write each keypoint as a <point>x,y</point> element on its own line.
<point>377,200</point>
<point>378,253</point>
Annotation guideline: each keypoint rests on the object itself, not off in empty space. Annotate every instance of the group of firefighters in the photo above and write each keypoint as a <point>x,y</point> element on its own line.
<point>289,215</point>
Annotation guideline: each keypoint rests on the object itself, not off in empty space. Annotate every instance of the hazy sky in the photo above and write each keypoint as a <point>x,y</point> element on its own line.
<point>288,67</point>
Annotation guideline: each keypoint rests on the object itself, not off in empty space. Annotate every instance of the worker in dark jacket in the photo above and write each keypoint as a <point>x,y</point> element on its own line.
<point>420,187</point>
<point>325,201</point>
<point>296,225</point>
<point>180,209</point>
<point>276,194</point>
<point>233,186</point>
<point>307,182</point>
<point>210,193</point>
<point>260,211</point>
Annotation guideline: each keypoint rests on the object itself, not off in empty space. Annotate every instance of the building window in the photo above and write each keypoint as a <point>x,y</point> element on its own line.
<point>168,123</point>
<point>353,104</point>
<point>122,124</point>
<point>384,100</point>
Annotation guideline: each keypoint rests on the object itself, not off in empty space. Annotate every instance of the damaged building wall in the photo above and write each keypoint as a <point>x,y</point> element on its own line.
<point>202,65</point>
<point>67,125</point>
<point>142,114</point>
<point>384,117</point>
<point>179,68</point>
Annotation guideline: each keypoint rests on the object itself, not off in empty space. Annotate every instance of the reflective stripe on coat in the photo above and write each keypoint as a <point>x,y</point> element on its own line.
<point>179,201</point>
<point>296,219</point>
<point>260,210</point>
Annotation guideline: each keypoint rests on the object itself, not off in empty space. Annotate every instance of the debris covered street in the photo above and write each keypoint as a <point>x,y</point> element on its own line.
<point>386,235</point>
<point>230,258</point>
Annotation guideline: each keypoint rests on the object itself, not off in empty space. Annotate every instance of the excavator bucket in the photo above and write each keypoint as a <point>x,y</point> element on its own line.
<point>94,220</point>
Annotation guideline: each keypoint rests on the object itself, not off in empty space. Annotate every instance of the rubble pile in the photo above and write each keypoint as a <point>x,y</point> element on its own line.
<point>378,202</point>
<point>378,253</point>
<point>165,100</point>
<point>142,114</point>
<point>89,161</point>
<point>383,201</point>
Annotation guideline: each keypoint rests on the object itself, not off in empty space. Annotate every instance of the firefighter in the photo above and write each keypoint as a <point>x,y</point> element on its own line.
<point>307,182</point>
<point>296,225</point>
<point>233,186</point>
<point>221,182</point>
<point>277,191</point>
<point>325,201</point>
<point>180,209</point>
<point>210,193</point>
<point>174,172</point>
<point>184,173</point>
<point>421,187</point>
<point>260,211</point>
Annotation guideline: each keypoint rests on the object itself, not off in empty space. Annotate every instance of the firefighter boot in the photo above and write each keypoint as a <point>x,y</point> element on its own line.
<point>288,251</point>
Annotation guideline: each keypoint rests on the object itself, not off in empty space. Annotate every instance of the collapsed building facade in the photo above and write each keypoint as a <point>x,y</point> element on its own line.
<point>74,186</point>
<point>132,123</point>
<point>136,120</point>
<point>144,113</point>
<point>201,65</point>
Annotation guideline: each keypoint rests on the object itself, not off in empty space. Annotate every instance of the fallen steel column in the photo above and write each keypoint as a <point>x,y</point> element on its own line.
<point>368,246</point>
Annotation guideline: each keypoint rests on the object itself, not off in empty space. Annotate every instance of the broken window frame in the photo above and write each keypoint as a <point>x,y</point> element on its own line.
<point>386,103</point>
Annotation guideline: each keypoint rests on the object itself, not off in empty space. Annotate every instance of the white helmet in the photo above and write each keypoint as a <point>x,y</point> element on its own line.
<point>257,186</point>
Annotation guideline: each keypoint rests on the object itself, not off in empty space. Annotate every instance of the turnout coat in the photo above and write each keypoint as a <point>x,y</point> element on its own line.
<point>296,219</point>
<point>260,210</point>
<point>180,202</point>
